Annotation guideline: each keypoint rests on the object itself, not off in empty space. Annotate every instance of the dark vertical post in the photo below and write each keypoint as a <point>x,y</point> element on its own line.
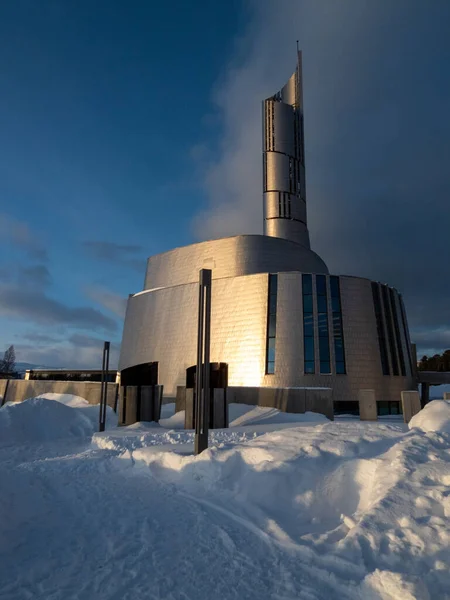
<point>104,387</point>
<point>425,395</point>
<point>202,392</point>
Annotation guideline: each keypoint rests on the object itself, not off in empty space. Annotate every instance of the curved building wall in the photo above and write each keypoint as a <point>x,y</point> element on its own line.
<point>230,257</point>
<point>161,326</point>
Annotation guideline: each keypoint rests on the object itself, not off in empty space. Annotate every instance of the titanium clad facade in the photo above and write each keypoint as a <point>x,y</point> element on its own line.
<point>230,257</point>
<point>278,318</point>
<point>284,184</point>
<point>161,326</point>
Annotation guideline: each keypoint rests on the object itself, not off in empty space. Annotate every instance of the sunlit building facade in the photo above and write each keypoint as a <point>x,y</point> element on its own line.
<point>279,319</point>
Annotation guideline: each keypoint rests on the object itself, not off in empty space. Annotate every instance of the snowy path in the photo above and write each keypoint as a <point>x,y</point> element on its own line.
<point>326,511</point>
<point>78,541</point>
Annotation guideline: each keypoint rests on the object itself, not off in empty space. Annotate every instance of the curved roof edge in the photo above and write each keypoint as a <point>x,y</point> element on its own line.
<point>230,257</point>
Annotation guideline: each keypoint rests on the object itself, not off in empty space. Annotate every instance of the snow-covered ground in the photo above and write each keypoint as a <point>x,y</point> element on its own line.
<point>280,506</point>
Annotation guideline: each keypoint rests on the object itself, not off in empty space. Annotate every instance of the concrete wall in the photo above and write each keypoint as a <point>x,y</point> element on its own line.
<point>3,387</point>
<point>292,400</point>
<point>19,390</point>
<point>446,395</point>
<point>367,405</point>
<point>410,404</point>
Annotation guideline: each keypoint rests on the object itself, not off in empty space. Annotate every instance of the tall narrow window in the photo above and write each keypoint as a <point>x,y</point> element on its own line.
<point>397,332</point>
<point>390,329</point>
<point>271,324</point>
<point>338,330</point>
<point>308,324</point>
<point>406,333</point>
<point>380,329</point>
<point>322,320</point>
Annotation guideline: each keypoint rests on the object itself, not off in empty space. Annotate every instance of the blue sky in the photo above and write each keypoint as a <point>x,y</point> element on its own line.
<point>131,128</point>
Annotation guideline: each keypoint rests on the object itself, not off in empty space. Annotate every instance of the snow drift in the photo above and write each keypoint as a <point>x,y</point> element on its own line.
<point>434,417</point>
<point>39,420</point>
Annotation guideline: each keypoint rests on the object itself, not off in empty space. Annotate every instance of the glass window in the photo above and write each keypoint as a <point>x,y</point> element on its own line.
<point>390,329</point>
<point>338,330</point>
<point>324,348</point>
<point>335,304</point>
<point>322,304</point>
<point>307,304</point>
<point>322,321</point>
<point>309,349</point>
<point>325,367</point>
<point>334,287</point>
<point>272,326</point>
<point>398,338</point>
<point>380,329</point>
<point>273,284</point>
<point>339,350</point>
<point>272,304</point>
<point>308,325</point>
<point>307,284</point>
<point>321,285</point>
<point>271,323</point>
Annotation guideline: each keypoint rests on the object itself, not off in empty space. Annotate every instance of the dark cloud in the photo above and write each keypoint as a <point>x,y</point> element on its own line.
<point>36,306</point>
<point>119,254</point>
<point>377,140</point>
<point>40,338</point>
<point>20,235</point>
<point>37,275</point>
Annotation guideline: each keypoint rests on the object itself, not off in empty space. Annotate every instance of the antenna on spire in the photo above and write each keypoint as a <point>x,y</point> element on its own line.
<point>297,45</point>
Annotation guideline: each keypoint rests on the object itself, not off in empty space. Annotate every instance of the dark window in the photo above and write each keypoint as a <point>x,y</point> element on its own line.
<point>380,328</point>
<point>308,325</point>
<point>346,407</point>
<point>397,332</point>
<point>388,407</point>
<point>322,319</point>
<point>271,323</point>
<point>406,333</point>
<point>390,329</point>
<point>338,330</point>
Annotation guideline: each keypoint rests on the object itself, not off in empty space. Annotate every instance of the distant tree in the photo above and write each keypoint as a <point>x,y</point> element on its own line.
<point>8,364</point>
<point>438,362</point>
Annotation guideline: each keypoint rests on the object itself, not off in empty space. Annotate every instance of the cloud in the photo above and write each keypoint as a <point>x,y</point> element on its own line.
<point>35,276</point>
<point>39,338</point>
<point>118,254</point>
<point>113,302</point>
<point>78,352</point>
<point>376,132</point>
<point>36,306</point>
<point>20,235</point>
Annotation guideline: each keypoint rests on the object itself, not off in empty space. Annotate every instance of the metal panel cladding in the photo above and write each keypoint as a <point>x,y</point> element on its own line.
<point>284,162</point>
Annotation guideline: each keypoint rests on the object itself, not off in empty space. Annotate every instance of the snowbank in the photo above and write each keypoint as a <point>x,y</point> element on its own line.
<point>39,420</point>
<point>90,411</point>
<point>245,414</point>
<point>434,417</point>
<point>240,415</point>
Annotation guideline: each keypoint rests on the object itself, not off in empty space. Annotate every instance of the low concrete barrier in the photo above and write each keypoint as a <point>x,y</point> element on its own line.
<point>410,404</point>
<point>367,405</point>
<point>3,388</point>
<point>19,390</point>
<point>293,400</point>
